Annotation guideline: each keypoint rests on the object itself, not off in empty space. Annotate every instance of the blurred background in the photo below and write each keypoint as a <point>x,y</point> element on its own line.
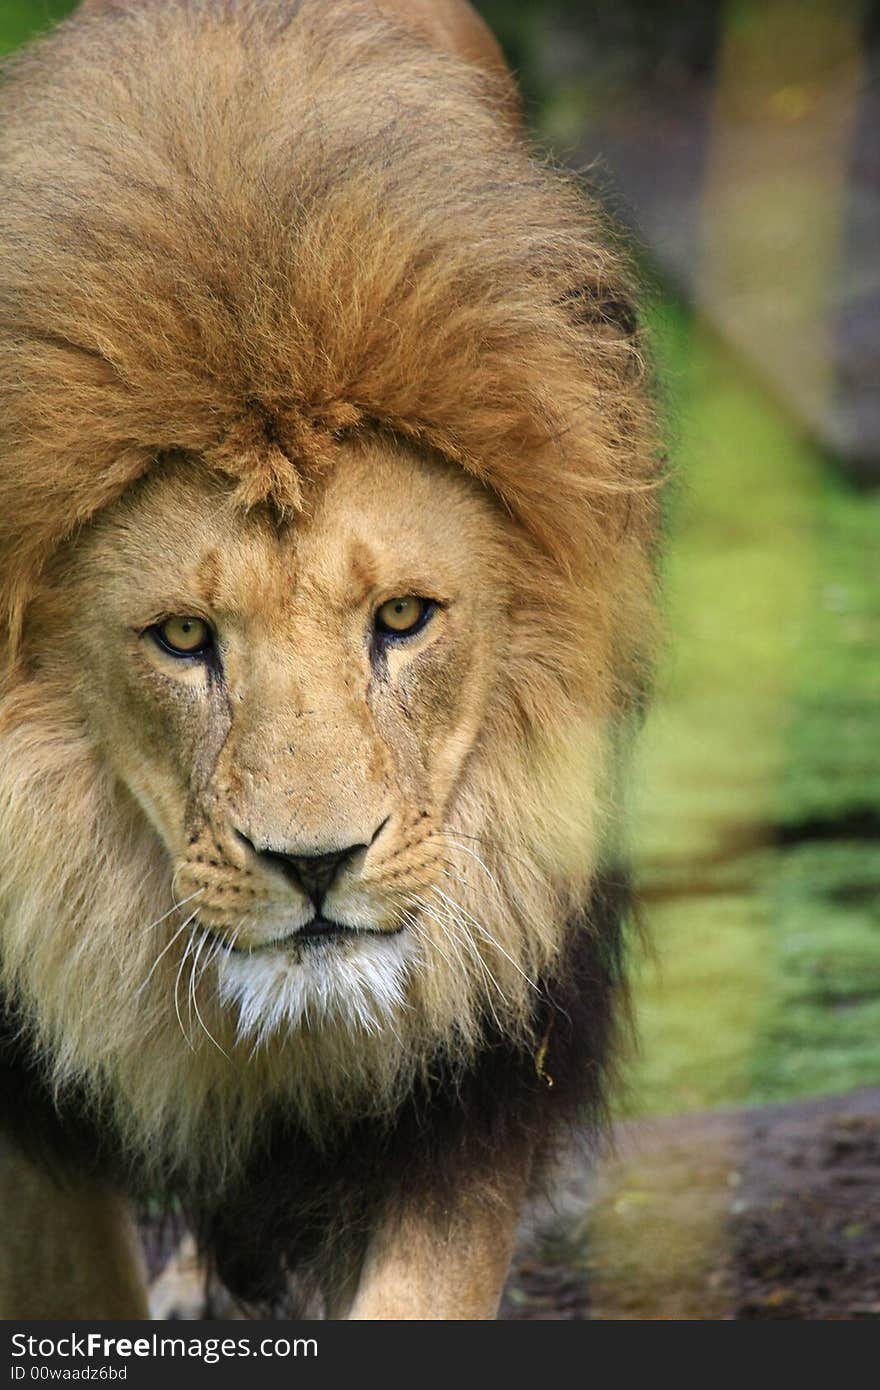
<point>739,141</point>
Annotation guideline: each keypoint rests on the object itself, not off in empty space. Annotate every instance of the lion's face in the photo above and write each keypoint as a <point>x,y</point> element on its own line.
<point>291,704</point>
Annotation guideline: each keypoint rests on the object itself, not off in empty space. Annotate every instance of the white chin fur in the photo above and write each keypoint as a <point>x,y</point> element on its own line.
<point>357,984</point>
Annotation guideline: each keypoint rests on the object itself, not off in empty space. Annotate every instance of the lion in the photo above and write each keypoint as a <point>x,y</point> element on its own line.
<point>328,520</point>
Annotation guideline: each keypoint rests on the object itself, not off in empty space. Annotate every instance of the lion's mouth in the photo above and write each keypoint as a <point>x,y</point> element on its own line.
<point>322,926</point>
<point>325,929</point>
<point>320,930</point>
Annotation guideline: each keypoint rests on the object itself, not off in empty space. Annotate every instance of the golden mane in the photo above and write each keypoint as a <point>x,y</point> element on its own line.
<point>240,251</point>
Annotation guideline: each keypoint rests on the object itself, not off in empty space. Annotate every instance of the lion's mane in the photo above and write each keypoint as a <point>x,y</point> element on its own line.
<point>242,231</point>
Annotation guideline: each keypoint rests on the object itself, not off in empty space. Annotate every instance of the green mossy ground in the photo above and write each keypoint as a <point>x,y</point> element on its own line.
<point>759,782</point>
<point>20,19</point>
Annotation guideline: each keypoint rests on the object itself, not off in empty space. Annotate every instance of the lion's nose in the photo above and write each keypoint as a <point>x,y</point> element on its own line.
<point>313,873</point>
<point>316,872</point>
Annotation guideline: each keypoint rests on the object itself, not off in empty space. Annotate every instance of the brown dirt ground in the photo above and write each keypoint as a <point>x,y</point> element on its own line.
<point>765,1213</point>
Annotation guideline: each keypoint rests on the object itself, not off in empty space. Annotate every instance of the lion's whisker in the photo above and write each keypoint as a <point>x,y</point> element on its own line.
<point>500,845</point>
<point>464,939</point>
<point>165,949</point>
<point>217,945</point>
<point>193,983</point>
<point>453,942</point>
<point>175,907</point>
<point>419,930</point>
<point>481,961</point>
<point>236,933</point>
<point>484,931</point>
<point>463,849</point>
<point>177,978</point>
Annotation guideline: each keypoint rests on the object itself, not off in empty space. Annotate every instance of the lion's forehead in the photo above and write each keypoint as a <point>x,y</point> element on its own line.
<point>379,519</point>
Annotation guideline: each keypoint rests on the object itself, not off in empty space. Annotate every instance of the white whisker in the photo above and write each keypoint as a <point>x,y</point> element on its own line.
<point>484,931</point>
<point>183,960</point>
<point>419,930</point>
<point>167,947</point>
<point>453,835</point>
<point>463,849</point>
<point>193,983</point>
<point>174,908</point>
<point>466,940</point>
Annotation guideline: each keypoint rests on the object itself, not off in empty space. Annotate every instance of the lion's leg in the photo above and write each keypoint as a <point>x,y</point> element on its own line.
<point>66,1251</point>
<point>446,1262</point>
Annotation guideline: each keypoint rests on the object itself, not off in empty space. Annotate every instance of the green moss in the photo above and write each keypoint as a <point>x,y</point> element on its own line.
<point>21,19</point>
<point>765,737</point>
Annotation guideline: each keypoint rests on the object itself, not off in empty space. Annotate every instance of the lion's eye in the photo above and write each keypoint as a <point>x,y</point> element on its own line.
<point>184,636</point>
<point>402,616</point>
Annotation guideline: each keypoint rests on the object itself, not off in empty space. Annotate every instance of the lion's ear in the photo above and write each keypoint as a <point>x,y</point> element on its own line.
<point>597,306</point>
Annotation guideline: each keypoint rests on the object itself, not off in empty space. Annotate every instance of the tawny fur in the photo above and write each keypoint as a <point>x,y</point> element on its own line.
<point>261,240</point>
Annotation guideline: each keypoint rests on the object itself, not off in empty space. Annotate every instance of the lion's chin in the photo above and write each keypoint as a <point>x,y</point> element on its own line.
<point>359,984</point>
